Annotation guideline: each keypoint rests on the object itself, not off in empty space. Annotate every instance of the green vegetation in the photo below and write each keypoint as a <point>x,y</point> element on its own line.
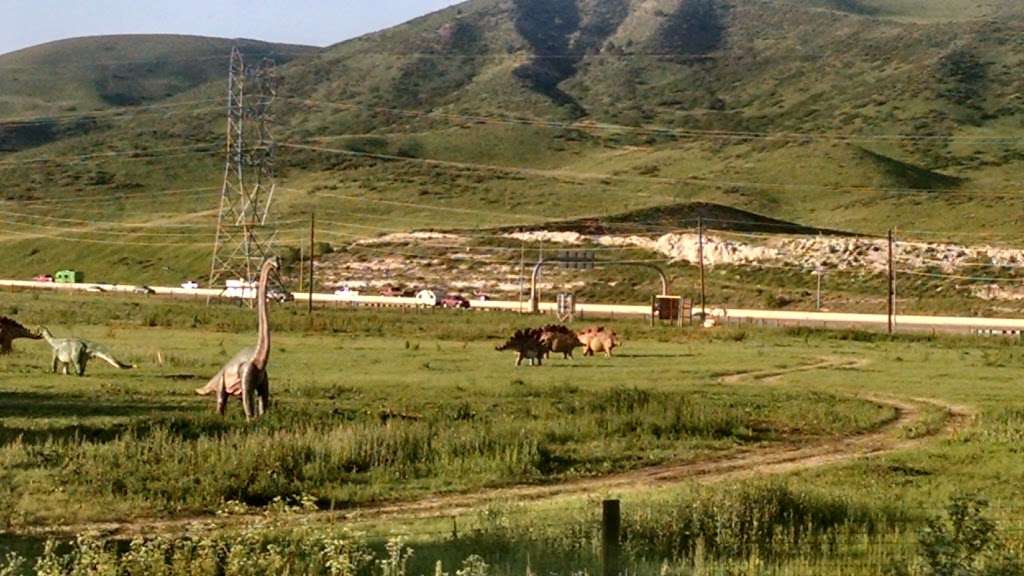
<point>455,121</point>
<point>361,418</point>
<point>408,405</point>
<point>99,74</point>
<point>477,85</point>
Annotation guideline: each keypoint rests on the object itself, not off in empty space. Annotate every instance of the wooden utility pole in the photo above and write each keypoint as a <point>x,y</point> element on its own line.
<point>522,275</point>
<point>700,256</point>
<point>611,528</point>
<point>302,264</point>
<point>892,284</point>
<point>312,256</point>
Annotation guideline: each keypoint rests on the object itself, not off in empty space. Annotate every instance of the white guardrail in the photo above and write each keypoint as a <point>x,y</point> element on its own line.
<point>768,317</point>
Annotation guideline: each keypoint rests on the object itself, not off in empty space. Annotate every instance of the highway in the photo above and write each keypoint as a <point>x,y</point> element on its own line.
<point>904,323</point>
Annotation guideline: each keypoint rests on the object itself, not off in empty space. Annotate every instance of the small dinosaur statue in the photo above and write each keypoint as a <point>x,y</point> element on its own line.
<point>560,340</point>
<point>75,353</point>
<point>599,340</point>
<point>528,345</point>
<point>245,375</point>
<point>11,331</point>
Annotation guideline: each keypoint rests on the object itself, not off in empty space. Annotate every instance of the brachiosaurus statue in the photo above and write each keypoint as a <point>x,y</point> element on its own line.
<point>245,375</point>
<point>11,331</point>
<point>75,353</point>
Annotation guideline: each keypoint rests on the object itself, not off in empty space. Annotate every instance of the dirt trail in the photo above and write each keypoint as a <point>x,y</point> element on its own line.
<point>758,461</point>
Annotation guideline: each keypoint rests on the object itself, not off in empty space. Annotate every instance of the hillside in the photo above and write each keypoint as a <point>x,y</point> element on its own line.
<point>68,78</point>
<point>855,115</point>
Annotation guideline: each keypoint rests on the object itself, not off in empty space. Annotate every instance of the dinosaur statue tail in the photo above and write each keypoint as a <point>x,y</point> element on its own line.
<point>112,361</point>
<point>211,386</point>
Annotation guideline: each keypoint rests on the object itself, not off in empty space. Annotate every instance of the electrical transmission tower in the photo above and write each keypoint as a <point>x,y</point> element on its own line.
<point>245,232</point>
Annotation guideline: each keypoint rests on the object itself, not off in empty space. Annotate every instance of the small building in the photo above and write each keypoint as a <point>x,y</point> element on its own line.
<point>69,277</point>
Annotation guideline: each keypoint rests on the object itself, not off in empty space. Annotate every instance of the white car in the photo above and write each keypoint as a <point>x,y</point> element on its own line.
<point>190,285</point>
<point>346,293</point>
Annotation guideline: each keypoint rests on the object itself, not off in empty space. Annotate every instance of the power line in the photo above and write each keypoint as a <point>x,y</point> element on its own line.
<point>128,112</point>
<point>137,154</point>
<point>109,198</point>
<point>158,59</point>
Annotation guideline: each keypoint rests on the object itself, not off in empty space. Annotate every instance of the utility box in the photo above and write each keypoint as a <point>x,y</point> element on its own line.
<point>674,309</point>
<point>69,277</point>
<point>566,307</point>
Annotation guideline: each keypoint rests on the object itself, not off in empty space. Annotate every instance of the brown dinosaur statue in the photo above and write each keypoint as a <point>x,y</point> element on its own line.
<point>245,375</point>
<point>560,340</point>
<point>598,339</point>
<point>11,331</point>
<point>527,345</point>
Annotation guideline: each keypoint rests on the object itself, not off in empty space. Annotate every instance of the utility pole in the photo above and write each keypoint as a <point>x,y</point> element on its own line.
<point>245,236</point>
<point>522,274</point>
<point>302,265</point>
<point>892,283</point>
<point>700,256</point>
<point>312,256</point>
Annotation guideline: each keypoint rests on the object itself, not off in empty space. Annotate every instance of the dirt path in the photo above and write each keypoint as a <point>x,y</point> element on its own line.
<point>759,461</point>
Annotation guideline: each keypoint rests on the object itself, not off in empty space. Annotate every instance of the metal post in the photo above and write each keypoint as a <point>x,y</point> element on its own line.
<point>818,301</point>
<point>312,256</point>
<point>700,256</point>
<point>611,527</point>
<point>302,264</point>
<point>892,284</point>
<point>819,271</point>
<point>522,274</point>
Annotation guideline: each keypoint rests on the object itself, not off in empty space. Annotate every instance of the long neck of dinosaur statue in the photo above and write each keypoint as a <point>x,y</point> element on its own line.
<point>262,354</point>
<point>45,333</point>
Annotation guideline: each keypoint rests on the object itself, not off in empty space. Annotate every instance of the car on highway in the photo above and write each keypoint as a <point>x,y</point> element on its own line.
<point>454,301</point>
<point>43,278</point>
<point>190,285</point>
<point>95,289</point>
<point>144,290</point>
<point>346,292</point>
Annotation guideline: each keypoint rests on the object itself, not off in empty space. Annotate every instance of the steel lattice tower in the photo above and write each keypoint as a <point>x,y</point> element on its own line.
<point>245,234</point>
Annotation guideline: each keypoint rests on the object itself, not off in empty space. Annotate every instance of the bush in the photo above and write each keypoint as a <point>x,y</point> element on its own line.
<point>964,543</point>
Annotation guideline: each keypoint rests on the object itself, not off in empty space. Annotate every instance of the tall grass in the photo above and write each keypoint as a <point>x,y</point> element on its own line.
<point>174,464</point>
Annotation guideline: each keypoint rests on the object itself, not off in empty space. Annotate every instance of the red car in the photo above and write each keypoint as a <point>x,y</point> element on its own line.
<point>43,278</point>
<point>454,301</point>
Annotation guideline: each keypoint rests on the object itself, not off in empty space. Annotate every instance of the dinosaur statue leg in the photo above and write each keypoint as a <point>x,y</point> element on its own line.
<point>53,363</point>
<point>249,376</point>
<point>222,395</point>
<point>263,391</point>
<point>519,359</point>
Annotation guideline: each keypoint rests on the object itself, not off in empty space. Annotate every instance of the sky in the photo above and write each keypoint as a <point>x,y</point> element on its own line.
<point>318,22</point>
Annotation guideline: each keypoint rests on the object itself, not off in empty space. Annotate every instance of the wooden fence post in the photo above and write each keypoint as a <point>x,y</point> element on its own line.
<point>611,528</point>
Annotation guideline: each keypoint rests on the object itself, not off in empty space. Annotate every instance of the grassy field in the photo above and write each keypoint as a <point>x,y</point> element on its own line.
<point>374,407</point>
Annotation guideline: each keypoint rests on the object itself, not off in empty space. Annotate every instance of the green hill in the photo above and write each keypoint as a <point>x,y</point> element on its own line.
<point>856,115</point>
<point>69,78</point>
<point>95,73</point>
